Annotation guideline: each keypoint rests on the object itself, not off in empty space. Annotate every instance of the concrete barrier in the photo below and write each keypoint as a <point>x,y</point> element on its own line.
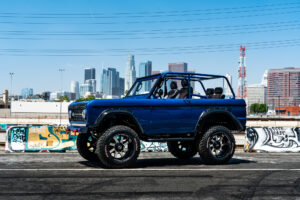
<point>55,138</point>
<point>39,138</point>
<point>272,139</point>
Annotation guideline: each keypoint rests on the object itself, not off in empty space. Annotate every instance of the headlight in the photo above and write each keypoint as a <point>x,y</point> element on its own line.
<point>83,114</point>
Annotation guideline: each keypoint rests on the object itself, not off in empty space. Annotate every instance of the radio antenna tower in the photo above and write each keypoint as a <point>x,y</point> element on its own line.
<point>242,91</point>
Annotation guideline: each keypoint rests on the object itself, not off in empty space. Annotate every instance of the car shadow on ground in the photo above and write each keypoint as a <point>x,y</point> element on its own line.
<point>163,162</point>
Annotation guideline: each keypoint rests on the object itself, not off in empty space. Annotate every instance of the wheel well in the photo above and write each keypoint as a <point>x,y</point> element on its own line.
<point>217,119</point>
<point>115,119</point>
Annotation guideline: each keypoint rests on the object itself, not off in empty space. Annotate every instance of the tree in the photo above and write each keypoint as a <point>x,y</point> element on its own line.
<point>258,108</point>
<point>263,108</point>
<point>64,98</point>
<point>88,98</point>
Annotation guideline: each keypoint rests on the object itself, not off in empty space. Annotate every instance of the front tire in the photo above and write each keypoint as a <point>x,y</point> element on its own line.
<point>182,149</point>
<point>118,147</point>
<point>86,147</point>
<point>217,146</point>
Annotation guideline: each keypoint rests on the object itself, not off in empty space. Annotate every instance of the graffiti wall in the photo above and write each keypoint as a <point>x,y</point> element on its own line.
<point>39,138</point>
<point>3,127</point>
<point>54,138</point>
<point>272,139</point>
<point>154,147</point>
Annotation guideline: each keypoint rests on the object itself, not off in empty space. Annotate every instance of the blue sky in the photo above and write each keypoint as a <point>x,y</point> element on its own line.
<point>37,37</point>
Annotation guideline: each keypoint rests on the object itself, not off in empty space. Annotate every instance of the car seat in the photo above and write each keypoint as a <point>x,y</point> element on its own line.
<point>173,93</point>
<point>210,92</point>
<point>184,91</point>
<point>218,93</point>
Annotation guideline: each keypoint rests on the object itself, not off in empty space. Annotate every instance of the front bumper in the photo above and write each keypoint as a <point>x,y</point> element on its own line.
<point>78,129</point>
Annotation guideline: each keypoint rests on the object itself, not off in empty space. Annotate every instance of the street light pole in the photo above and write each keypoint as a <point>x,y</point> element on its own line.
<point>11,82</point>
<point>61,70</point>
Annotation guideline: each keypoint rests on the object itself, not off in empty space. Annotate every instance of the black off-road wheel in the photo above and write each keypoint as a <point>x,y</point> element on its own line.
<point>118,147</point>
<point>217,145</point>
<point>86,146</point>
<point>182,149</point>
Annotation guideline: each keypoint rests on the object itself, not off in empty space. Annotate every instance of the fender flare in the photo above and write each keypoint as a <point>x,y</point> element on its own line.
<point>204,116</point>
<point>114,112</point>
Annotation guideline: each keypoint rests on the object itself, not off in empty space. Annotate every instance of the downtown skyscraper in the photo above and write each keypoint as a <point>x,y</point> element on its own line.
<point>111,83</point>
<point>89,73</point>
<point>145,69</point>
<point>130,75</point>
<point>90,78</point>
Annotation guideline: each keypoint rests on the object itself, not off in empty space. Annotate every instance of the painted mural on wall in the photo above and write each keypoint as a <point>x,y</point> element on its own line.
<point>272,139</point>
<point>3,127</point>
<point>39,138</point>
<point>54,138</point>
<point>154,147</point>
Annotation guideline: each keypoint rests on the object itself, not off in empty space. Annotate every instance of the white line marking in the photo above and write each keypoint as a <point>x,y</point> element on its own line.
<point>154,169</point>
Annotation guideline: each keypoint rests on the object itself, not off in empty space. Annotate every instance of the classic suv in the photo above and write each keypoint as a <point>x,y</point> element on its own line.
<point>182,109</point>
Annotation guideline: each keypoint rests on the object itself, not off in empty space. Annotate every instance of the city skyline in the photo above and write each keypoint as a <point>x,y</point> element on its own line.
<point>206,35</point>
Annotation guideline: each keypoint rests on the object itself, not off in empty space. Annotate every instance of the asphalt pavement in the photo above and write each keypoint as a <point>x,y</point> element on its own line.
<point>155,176</point>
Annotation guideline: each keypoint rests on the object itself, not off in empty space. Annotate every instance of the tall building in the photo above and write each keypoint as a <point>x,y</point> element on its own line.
<point>155,72</point>
<point>26,92</point>
<point>242,84</point>
<point>130,75</point>
<point>89,73</point>
<point>110,82</point>
<point>75,88</point>
<point>145,69</point>
<point>84,89</point>
<point>264,80</point>
<point>227,91</point>
<point>122,86</point>
<point>257,93</point>
<point>92,83</point>
<point>178,67</point>
<point>283,87</point>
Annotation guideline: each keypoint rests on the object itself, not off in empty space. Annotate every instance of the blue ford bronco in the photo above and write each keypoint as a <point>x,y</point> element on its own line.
<point>185,110</point>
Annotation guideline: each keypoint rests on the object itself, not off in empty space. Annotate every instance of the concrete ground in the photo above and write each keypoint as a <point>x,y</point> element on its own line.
<point>155,176</point>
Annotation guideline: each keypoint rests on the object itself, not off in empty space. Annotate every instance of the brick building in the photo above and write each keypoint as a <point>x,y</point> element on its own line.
<point>283,87</point>
<point>288,111</point>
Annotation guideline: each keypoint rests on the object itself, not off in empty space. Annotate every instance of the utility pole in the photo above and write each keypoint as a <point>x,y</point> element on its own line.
<point>11,82</point>
<point>61,70</point>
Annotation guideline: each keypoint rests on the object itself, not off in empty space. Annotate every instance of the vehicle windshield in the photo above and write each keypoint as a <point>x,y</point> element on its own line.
<point>142,87</point>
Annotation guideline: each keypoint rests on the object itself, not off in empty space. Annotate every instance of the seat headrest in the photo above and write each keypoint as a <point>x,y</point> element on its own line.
<point>184,83</point>
<point>210,91</point>
<point>173,85</point>
<point>218,90</point>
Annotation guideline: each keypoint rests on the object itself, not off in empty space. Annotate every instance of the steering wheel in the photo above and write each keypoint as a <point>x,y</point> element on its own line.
<point>158,94</point>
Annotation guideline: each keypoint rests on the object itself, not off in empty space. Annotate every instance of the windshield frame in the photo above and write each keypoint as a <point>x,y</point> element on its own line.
<point>157,77</point>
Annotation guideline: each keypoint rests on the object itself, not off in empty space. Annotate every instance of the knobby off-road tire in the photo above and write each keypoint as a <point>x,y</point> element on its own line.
<point>217,145</point>
<point>118,147</point>
<point>182,149</point>
<point>86,147</point>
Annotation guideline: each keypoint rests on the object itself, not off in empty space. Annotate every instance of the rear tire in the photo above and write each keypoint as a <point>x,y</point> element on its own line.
<point>118,147</point>
<point>217,145</point>
<point>86,146</point>
<point>182,149</point>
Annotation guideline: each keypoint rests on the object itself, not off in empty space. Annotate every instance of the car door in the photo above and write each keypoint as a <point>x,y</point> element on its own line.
<point>170,116</point>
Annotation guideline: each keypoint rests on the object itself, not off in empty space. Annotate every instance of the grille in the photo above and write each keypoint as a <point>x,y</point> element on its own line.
<point>77,112</point>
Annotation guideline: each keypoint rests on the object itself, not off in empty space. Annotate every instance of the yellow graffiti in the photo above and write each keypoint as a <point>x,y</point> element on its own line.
<point>42,138</point>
